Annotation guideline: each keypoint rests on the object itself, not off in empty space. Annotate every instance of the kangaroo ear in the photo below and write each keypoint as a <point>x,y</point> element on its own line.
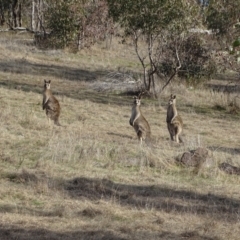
<point>45,80</point>
<point>140,95</point>
<point>49,81</point>
<point>174,96</point>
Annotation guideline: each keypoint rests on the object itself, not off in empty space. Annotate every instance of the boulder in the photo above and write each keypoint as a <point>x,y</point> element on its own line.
<point>194,158</point>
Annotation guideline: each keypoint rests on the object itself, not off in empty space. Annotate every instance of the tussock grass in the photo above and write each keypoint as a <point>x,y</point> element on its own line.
<point>90,179</point>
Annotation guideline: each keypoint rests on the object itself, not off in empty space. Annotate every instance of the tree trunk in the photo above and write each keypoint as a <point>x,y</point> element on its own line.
<point>33,16</point>
<point>9,21</point>
<point>2,17</point>
<point>152,69</point>
<point>20,15</point>
<point>40,16</point>
<point>16,13</point>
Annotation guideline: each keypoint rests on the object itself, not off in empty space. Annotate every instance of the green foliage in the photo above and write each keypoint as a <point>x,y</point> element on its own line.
<point>78,23</point>
<point>4,7</point>
<point>149,16</point>
<point>163,24</point>
<point>196,63</point>
<point>196,59</point>
<point>62,22</point>
<point>221,16</point>
<point>236,43</point>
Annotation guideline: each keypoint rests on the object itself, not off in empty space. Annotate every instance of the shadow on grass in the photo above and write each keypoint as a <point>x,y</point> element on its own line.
<point>77,92</point>
<point>224,88</point>
<point>57,212</point>
<point>25,68</point>
<point>13,232</point>
<point>216,111</point>
<point>225,149</point>
<point>156,197</point>
<point>119,135</point>
<point>50,70</point>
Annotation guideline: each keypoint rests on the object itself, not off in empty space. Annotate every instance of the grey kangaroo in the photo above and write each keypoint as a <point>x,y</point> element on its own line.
<point>174,121</point>
<point>138,121</point>
<point>51,104</point>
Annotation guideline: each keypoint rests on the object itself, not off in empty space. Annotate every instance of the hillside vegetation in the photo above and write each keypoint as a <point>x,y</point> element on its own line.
<point>90,178</point>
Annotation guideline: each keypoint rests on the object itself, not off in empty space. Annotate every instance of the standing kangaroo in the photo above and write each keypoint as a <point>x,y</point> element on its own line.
<point>174,121</point>
<point>50,103</point>
<point>138,121</point>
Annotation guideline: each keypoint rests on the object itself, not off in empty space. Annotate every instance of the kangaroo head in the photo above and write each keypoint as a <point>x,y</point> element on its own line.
<point>172,100</point>
<point>137,99</point>
<point>47,84</point>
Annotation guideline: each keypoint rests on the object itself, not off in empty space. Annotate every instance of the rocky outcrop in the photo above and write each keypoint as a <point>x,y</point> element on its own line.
<point>194,158</point>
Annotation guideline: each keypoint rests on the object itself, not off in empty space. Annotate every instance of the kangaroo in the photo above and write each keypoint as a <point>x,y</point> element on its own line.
<point>138,121</point>
<point>174,121</point>
<point>51,104</point>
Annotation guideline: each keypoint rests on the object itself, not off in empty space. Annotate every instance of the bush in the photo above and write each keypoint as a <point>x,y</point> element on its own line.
<point>196,62</point>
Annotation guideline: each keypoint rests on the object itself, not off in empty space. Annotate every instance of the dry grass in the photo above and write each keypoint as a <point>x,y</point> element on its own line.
<point>90,179</point>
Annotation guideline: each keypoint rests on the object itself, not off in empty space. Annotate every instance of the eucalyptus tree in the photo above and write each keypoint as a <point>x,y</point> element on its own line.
<point>81,22</point>
<point>223,18</point>
<point>163,25</point>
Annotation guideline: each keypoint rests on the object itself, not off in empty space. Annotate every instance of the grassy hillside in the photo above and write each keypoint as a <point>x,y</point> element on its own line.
<point>90,179</point>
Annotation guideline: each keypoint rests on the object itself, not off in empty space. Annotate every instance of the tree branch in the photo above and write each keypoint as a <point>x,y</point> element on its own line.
<point>175,72</point>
